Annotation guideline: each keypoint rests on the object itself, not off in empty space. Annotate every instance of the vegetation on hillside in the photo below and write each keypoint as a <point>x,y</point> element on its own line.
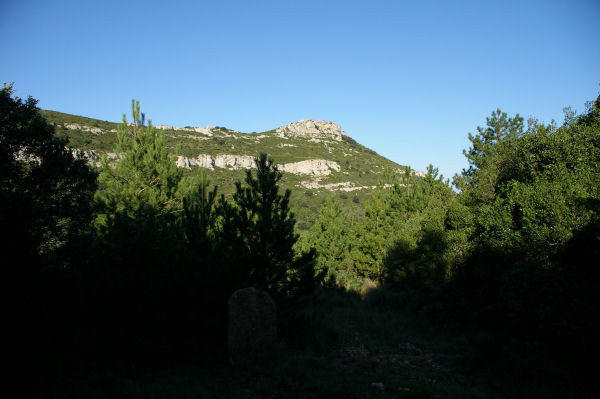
<point>120,279</point>
<point>358,165</point>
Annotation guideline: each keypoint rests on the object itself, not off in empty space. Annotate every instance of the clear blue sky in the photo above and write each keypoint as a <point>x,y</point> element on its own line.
<point>407,79</point>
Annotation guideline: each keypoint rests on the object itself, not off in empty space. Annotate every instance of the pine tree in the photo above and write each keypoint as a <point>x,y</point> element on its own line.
<point>138,245</point>
<point>259,230</point>
<point>380,226</point>
<point>140,190</point>
<point>199,213</point>
<point>330,237</point>
<point>479,181</point>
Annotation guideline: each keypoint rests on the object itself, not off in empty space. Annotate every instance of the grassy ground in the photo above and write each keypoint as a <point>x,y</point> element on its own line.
<point>340,345</point>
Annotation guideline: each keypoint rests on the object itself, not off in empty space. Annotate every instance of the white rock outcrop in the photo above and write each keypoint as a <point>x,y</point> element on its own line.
<point>96,130</point>
<point>315,167</point>
<point>311,128</point>
<point>75,126</point>
<point>318,167</point>
<point>343,186</point>
<point>92,157</point>
<point>234,161</point>
<point>204,130</point>
<point>219,161</point>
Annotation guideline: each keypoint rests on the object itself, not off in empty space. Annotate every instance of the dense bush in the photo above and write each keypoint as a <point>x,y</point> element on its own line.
<point>512,251</point>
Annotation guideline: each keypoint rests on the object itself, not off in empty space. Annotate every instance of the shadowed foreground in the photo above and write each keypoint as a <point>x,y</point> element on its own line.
<point>339,344</point>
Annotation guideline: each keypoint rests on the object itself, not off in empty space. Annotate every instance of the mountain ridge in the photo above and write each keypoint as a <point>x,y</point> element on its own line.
<point>316,157</point>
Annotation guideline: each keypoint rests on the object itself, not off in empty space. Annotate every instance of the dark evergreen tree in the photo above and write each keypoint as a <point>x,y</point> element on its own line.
<point>199,213</point>
<point>45,209</point>
<point>258,229</point>
<point>533,196</point>
<point>139,192</point>
<point>139,267</point>
<point>479,181</point>
<point>331,237</point>
<point>44,191</point>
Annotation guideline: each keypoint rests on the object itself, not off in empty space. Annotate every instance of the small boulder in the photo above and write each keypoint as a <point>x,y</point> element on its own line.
<point>378,385</point>
<point>252,329</point>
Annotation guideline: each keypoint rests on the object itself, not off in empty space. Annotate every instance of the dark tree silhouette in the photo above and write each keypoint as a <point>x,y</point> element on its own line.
<point>45,197</point>
<point>259,229</point>
<point>45,193</point>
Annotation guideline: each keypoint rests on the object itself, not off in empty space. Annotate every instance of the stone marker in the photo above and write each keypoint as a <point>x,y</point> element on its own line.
<point>252,330</point>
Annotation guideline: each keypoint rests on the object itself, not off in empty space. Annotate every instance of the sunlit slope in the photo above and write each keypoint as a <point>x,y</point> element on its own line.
<point>318,159</point>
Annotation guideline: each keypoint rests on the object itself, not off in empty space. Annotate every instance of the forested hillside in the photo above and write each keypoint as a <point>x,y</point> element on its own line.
<point>120,262</point>
<point>316,157</point>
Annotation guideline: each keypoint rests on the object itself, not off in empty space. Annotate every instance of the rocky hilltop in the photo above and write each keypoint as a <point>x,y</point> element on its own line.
<point>311,129</point>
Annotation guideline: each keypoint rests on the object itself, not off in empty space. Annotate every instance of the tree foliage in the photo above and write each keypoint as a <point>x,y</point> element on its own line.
<point>258,230</point>
<point>141,191</point>
<point>512,251</point>
<point>331,237</point>
<point>45,210</point>
<point>44,191</point>
<point>199,213</point>
<point>533,196</point>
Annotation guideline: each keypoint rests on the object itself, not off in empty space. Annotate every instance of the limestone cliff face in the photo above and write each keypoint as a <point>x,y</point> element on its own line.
<point>219,161</point>
<point>315,167</point>
<point>311,128</point>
